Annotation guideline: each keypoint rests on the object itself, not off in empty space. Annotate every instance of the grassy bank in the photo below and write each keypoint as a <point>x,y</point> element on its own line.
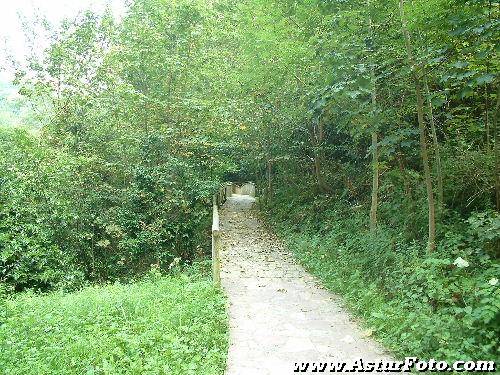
<point>418,304</point>
<point>161,325</point>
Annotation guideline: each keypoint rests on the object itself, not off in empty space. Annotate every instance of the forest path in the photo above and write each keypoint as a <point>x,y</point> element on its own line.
<point>279,315</point>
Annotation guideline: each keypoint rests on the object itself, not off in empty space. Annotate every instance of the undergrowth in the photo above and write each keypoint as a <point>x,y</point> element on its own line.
<point>159,325</point>
<point>444,305</point>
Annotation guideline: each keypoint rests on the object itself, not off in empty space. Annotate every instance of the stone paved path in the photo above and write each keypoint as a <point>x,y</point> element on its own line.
<point>279,315</point>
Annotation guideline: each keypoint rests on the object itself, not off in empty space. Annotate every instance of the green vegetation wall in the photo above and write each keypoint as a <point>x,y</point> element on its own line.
<point>138,138</point>
<point>374,123</point>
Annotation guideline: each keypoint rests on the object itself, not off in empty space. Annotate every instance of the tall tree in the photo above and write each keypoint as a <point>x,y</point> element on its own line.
<point>374,134</point>
<point>437,152</point>
<point>422,130</point>
<point>496,131</point>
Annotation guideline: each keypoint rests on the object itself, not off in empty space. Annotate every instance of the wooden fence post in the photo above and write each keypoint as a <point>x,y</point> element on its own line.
<point>216,243</point>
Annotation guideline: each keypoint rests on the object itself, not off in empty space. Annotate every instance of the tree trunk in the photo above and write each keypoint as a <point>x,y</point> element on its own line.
<point>497,147</point>
<point>317,135</point>
<point>421,126</point>
<point>437,153</point>
<point>318,173</point>
<point>375,183</point>
<point>486,93</point>
<point>269,178</point>
<point>375,166</point>
<point>486,119</point>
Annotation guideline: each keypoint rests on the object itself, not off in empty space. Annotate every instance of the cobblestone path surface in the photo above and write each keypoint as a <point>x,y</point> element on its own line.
<point>279,314</point>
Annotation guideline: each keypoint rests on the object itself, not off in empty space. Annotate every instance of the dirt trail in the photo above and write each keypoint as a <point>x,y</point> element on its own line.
<point>279,314</point>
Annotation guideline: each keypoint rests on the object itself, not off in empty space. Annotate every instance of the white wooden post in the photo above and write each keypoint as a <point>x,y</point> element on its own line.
<point>216,244</point>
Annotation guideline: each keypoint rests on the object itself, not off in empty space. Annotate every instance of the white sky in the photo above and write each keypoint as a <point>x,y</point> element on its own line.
<point>12,39</point>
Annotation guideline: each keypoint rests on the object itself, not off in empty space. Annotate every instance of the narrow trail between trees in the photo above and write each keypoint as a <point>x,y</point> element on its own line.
<point>279,314</point>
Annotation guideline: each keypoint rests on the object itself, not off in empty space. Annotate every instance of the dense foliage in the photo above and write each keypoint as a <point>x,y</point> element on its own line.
<point>38,214</point>
<point>373,122</point>
<point>161,325</point>
<point>426,305</point>
<point>122,172</point>
<point>67,218</point>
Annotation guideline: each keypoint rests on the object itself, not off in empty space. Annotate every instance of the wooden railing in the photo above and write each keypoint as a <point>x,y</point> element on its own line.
<point>219,199</point>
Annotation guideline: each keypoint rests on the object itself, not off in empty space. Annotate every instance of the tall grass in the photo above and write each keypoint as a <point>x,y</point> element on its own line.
<point>161,325</point>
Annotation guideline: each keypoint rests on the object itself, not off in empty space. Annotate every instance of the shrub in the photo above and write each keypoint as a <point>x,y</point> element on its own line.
<point>69,219</point>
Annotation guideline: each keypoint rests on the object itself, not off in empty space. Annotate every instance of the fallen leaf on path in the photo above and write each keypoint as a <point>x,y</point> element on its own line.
<point>367,333</point>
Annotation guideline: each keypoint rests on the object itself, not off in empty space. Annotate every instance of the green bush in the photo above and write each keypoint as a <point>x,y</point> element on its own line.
<point>37,213</point>
<point>160,325</point>
<point>66,220</point>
